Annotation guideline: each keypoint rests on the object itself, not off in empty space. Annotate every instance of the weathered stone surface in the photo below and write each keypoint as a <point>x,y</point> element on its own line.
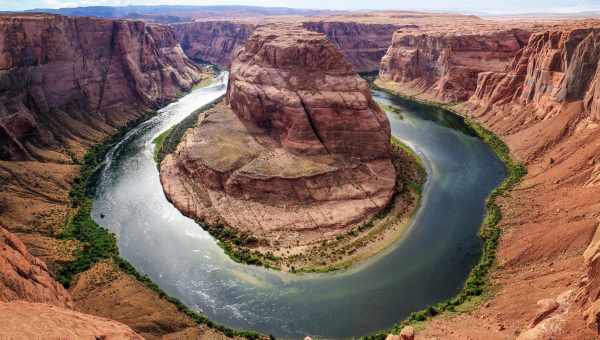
<point>363,44</point>
<point>555,68</point>
<point>301,146</point>
<point>67,82</point>
<point>407,333</point>
<point>216,42</point>
<point>445,65</point>
<point>541,106</point>
<point>24,320</point>
<point>24,277</point>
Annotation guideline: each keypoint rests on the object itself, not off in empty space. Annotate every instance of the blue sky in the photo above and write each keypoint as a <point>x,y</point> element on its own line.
<point>494,6</point>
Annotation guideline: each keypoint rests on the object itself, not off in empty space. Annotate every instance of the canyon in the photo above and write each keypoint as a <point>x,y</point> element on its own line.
<point>284,166</point>
<point>544,105</point>
<point>68,83</point>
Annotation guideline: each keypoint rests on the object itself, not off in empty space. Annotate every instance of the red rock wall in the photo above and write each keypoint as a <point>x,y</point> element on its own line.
<point>273,84</point>
<point>445,66</point>
<point>546,107</point>
<point>362,44</point>
<point>68,79</point>
<point>215,42</point>
<point>25,277</point>
<point>555,68</point>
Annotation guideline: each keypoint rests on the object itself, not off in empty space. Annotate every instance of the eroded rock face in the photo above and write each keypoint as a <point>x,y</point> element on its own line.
<point>300,147</point>
<point>363,44</point>
<point>555,68</point>
<point>216,42</point>
<point>24,320</point>
<point>25,277</point>
<point>446,65</point>
<point>68,81</point>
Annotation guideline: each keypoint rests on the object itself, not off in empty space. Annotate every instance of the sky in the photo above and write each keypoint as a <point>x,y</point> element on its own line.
<point>491,6</point>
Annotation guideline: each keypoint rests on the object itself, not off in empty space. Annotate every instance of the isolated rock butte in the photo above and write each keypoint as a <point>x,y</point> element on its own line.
<point>67,82</point>
<point>444,66</point>
<point>300,147</point>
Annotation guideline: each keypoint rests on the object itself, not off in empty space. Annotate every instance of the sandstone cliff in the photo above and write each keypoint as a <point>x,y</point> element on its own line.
<point>67,82</point>
<point>24,320</point>
<point>215,42</point>
<point>545,106</point>
<point>24,277</point>
<point>444,65</point>
<point>299,153</point>
<point>363,44</point>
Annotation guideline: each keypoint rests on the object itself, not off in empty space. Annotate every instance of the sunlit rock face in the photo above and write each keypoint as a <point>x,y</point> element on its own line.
<point>445,65</point>
<point>65,82</point>
<point>298,147</point>
<point>215,42</point>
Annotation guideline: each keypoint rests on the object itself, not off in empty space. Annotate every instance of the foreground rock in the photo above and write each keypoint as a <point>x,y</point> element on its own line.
<point>299,153</point>
<point>24,320</point>
<point>24,277</point>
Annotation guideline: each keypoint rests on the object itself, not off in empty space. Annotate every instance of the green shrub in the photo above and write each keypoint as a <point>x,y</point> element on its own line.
<point>478,280</point>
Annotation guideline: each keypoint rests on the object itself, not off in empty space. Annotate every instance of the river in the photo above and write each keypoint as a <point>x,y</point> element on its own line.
<point>428,265</point>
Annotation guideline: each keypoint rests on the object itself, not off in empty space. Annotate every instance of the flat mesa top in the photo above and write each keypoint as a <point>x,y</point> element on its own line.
<point>288,34</point>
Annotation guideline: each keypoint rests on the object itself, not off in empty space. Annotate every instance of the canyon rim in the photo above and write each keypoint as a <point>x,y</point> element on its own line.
<point>295,168</point>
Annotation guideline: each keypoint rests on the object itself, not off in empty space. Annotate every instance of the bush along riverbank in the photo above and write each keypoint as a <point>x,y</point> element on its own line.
<point>357,244</point>
<point>167,142</point>
<point>99,244</point>
<point>477,286</point>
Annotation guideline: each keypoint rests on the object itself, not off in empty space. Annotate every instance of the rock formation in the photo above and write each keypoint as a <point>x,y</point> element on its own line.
<point>215,42</point>
<point>363,44</point>
<point>24,277</point>
<point>24,320</point>
<point>545,106</point>
<point>67,82</point>
<point>443,65</point>
<point>299,152</point>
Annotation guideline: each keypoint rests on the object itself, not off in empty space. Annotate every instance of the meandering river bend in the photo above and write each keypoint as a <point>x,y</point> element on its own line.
<point>429,264</point>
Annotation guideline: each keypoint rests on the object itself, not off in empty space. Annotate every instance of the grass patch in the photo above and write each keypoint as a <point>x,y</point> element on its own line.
<point>477,286</point>
<point>167,141</point>
<point>99,244</point>
<point>158,144</point>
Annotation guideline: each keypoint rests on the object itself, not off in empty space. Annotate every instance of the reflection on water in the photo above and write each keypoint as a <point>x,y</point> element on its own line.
<point>428,265</point>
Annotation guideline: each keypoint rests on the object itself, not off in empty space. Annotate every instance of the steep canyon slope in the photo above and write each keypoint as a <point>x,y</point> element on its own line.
<point>544,104</point>
<point>444,65</point>
<point>299,152</point>
<point>65,85</point>
<point>362,38</point>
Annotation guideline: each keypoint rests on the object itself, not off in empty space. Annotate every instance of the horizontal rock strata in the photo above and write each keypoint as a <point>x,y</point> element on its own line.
<point>444,65</point>
<point>298,147</point>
